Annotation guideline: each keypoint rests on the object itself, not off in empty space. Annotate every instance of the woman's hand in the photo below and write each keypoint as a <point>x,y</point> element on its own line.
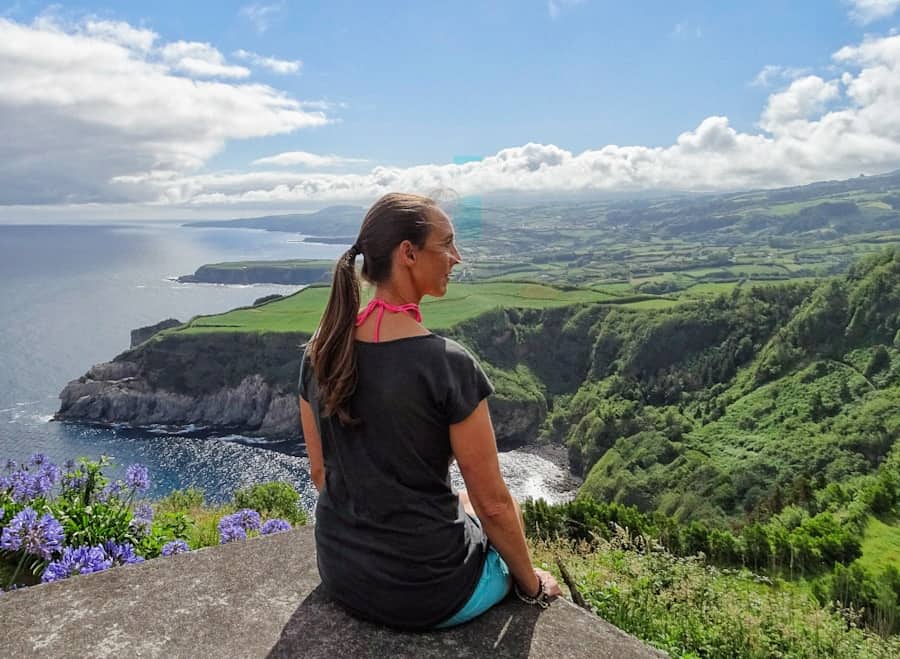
<point>548,581</point>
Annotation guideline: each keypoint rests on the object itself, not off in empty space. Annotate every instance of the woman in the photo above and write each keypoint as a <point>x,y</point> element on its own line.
<point>385,406</point>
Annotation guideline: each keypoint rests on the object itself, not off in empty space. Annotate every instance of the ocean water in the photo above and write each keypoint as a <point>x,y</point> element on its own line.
<point>70,296</point>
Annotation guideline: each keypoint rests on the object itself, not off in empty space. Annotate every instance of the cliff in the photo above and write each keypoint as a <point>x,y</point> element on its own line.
<point>262,598</point>
<point>292,272</point>
<point>246,382</point>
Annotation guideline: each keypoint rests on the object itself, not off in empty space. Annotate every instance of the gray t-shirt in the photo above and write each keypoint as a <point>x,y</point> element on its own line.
<point>393,543</point>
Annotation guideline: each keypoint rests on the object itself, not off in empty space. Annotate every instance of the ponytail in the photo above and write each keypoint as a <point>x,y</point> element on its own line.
<point>331,347</point>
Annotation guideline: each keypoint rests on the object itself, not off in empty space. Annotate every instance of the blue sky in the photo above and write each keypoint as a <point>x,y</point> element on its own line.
<point>760,92</point>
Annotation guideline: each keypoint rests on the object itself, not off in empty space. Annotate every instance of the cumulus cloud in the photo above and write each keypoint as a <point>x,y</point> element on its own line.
<point>83,105</point>
<point>306,159</point>
<point>200,60</point>
<point>867,11</point>
<point>773,74</point>
<point>273,64</point>
<point>261,16</point>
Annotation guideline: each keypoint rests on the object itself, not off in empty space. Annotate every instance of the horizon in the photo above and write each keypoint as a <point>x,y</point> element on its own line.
<point>173,113</point>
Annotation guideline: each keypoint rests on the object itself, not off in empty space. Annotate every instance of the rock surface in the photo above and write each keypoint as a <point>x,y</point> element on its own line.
<point>262,598</point>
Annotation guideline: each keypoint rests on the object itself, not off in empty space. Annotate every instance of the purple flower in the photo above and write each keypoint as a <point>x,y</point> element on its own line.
<point>121,554</point>
<point>35,536</point>
<point>142,519</point>
<point>82,560</point>
<point>52,472</point>
<point>137,478</point>
<point>175,547</point>
<point>37,459</point>
<point>275,526</point>
<point>248,519</point>
<point>230,533</point>
<point>23,486</point>
<point>111,491</point>
<point>4,483</point>
<point>11,465</point>
<point>69,465</point>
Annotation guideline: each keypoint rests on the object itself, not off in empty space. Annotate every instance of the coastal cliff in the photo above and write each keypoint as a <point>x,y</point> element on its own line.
<point>291,272</point>
<point>246,382</point>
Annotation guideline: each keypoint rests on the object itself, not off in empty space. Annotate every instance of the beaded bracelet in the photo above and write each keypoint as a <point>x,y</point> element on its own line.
<point>541,599</point>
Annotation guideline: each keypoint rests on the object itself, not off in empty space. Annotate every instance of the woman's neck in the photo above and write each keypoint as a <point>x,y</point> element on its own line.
<point>394,294</point>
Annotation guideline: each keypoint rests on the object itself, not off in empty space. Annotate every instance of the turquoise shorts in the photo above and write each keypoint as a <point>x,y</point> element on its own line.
<point>492,587</point>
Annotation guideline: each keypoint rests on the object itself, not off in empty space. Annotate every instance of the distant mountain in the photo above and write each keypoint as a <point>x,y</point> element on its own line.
<point>328,222</point>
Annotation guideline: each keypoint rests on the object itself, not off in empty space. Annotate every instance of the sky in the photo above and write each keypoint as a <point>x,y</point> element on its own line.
<point>119,110</point>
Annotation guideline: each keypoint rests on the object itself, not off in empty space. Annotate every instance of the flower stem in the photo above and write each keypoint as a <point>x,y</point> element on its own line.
<point>16,573</point>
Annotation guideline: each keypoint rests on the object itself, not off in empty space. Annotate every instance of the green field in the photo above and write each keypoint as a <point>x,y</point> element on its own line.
<point>301,312</point>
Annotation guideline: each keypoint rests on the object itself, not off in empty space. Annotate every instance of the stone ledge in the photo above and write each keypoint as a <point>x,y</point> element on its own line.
<point>262,598</point>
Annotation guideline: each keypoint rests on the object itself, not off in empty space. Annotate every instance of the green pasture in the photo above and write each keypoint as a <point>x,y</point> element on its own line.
<point>301,312</point>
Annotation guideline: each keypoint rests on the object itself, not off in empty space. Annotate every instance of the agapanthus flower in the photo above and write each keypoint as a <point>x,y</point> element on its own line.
<point>111,491</point>
<point>37,459</point>
<point>142,520</point>
<point>40,536</point>
<point>11,465</point>
<point>275,526</point>
<point>121,554</point>
<point>74,480</point>
<point>81,560</point>
<point>4,483</point>
<point>137,477</point>
<point>52,472</point>
<point>248,519</point>
<point>230,533</point>
<point>175,547</point>
<point>23,486</point>
<point>69,465</point>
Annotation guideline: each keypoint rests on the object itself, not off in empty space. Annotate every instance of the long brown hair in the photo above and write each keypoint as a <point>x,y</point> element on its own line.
<point>391,220</point>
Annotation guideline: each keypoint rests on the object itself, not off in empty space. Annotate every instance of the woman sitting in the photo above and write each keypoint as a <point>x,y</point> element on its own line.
<point>385,406</point>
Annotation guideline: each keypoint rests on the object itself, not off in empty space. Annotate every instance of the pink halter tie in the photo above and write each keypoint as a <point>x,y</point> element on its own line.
<point>381,305</point>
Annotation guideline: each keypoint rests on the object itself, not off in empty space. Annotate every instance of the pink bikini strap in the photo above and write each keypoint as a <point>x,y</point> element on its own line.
<point>381,305</point>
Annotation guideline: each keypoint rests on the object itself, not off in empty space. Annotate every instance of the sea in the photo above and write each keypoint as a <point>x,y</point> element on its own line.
<point>70,296</point>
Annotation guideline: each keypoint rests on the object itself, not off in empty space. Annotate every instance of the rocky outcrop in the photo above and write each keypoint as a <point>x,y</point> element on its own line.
<point>263,598</point>
<point>277,272</point>
<point>141,334</point>
<point>231,381</point>
<point>247,382</point>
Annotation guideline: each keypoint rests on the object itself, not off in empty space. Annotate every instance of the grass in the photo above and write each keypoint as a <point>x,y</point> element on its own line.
<point>881,544</point>
<point>301,312</point>
<point>690,609</point>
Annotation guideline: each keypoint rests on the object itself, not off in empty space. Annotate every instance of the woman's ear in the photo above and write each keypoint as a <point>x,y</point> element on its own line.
<point>407,252</point>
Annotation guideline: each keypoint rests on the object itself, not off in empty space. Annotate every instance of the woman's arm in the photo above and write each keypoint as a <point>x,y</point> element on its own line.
<point>313,445</point>
<point>475,449</point>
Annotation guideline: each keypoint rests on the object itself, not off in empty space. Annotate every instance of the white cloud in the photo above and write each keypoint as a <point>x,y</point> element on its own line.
<point>773,74</point>
<point>201,60</point>
<point>273,64</point>
<point>805,98</point>
<point>80,109</point>
<point>306,159</point>
<point>120,33</point>
<point>260,15</point>
<point>867,11</point>
<point>554,7</point>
